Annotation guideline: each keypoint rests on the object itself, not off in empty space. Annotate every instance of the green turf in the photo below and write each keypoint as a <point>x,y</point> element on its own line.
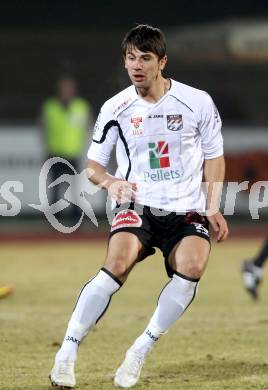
<point>220,343</point>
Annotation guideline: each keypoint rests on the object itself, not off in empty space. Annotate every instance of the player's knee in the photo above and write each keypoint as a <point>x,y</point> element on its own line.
<point>195,269</point>
<point>194,265</point>
<point>118,267</point>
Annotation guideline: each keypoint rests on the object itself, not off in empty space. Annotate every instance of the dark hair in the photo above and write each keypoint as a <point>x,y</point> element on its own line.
<point>145,38</point>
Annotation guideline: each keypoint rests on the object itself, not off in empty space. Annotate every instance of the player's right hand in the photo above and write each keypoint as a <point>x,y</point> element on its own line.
<point>122,191</point>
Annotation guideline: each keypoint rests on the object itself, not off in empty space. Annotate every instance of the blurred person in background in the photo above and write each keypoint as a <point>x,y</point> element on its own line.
<point>66,119</point>
<point>252,270</point>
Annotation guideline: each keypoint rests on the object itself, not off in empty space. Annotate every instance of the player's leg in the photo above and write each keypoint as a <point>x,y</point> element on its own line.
<point>124,250</point>
<point>262,256</point>
<point>188,259</point>
<point>252,270</point>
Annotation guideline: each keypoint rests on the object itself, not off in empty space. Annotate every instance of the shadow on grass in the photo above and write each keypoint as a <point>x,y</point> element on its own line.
<point>206,371</point>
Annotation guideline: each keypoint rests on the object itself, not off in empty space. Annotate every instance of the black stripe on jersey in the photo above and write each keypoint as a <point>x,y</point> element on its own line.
<point>107,127</point>
<point>105,131</point>
<point>182,102</point>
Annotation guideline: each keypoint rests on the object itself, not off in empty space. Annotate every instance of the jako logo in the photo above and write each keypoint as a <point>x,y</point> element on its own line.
<point>151,335</point>
<point>74,340</point>
<point>158,155</point>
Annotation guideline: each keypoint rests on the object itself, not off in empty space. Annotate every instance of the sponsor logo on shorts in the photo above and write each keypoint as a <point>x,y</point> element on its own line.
<point>174,122</point>
<point>200,228</point>
<point>126,218</point>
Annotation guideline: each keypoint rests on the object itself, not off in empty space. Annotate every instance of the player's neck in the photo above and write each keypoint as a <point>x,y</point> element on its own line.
<point>156,91</point>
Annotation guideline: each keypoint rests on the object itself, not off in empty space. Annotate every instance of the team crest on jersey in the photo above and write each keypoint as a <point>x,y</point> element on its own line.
<point>136,122</point>
<point>174,122</point>
<point>126,218</point>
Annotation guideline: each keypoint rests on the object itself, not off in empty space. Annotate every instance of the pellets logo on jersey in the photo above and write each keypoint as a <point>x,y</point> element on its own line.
<point>174,122</point>
<point>126,218</point>
<point>158,155</point>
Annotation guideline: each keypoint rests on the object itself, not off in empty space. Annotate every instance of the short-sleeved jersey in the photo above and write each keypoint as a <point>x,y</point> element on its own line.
<point>160,146</point>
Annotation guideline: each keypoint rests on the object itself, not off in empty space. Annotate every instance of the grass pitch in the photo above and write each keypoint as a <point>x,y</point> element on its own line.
<point>221,342</point>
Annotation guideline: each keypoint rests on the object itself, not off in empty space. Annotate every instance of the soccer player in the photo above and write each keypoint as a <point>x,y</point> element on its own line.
<point>167,137</point>
<point>252,270</point>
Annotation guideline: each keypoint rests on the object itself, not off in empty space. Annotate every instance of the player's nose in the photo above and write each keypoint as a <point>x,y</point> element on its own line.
<point>137,65</point>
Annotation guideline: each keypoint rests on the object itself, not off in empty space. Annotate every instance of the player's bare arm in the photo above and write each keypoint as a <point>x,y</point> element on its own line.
<point>214,171</point>
<point>120,190</point>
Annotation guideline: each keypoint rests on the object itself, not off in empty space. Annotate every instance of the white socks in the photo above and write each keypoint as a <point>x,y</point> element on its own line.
<point>91,304</point>
<point>95,297</point>
<point>174,299</point>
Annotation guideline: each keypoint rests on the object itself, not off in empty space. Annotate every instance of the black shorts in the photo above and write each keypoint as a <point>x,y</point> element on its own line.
<point>158,228</point>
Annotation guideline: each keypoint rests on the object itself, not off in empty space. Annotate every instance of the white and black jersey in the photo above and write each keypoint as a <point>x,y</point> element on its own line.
<point>160,146</point>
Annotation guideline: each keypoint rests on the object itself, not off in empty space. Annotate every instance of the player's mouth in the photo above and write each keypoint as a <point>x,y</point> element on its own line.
<point>138,77</point>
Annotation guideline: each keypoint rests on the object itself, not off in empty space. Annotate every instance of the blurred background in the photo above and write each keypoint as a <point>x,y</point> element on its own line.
<point>215,46</point>
<point>53,51</point>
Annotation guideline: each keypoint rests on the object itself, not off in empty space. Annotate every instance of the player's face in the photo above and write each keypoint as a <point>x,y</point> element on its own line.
<point>143,67</point>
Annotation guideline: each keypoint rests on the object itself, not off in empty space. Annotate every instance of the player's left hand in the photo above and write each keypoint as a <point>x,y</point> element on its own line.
<point>219,225</point>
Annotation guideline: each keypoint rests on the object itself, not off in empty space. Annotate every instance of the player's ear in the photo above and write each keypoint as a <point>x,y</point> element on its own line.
<point>124,60</point>
<point>163,62</point>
